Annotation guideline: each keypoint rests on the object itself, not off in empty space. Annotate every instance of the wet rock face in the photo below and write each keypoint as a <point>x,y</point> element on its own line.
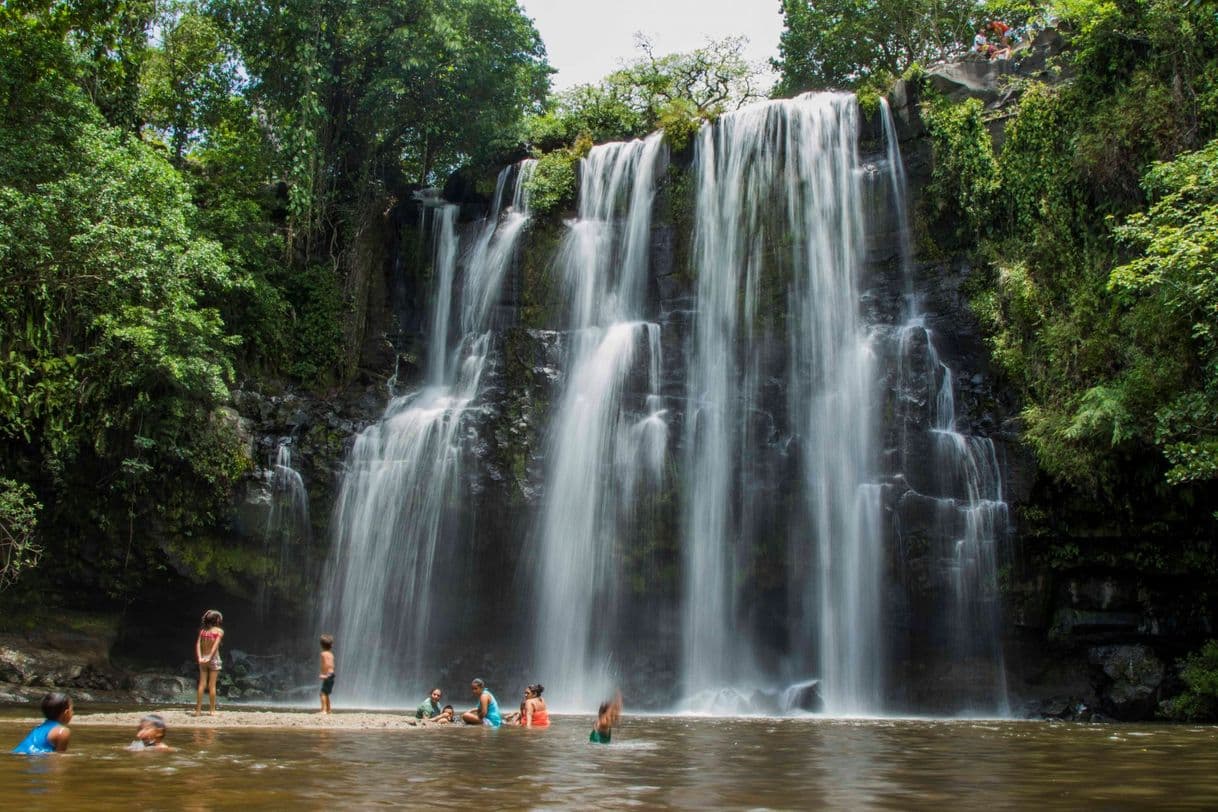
<point>1128,680</point>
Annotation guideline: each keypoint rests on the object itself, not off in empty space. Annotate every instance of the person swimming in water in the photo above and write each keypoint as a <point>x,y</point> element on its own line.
<point>52,735</point>
<point>150,736</point>
<point>606,718</point>
<point>487,712</point>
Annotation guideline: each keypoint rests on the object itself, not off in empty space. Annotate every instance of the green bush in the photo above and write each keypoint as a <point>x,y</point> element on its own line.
<point>555,182</point>
<point>965,181</point>
<point>18,526</point>
<point>1199,671</point>
<point>680,122</point>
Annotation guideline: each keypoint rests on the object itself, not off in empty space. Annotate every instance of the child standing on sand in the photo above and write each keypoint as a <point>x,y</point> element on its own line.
<point>327,671</point>
<point>207,652</point>
<point>52,735</point>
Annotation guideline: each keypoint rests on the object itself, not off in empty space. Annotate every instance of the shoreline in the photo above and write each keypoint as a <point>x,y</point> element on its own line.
<point>182,719</point>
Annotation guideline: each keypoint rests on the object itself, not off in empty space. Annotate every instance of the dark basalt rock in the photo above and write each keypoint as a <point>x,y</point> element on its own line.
<point>1128,679</point>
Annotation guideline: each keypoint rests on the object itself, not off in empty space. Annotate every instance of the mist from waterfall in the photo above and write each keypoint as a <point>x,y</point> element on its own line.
<point>779,227</point>
<point>394,510</point>
<point>599,451</point>
<point>965,488</point>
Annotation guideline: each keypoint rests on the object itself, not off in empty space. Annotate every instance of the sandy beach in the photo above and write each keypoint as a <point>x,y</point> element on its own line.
<point>178,719</point>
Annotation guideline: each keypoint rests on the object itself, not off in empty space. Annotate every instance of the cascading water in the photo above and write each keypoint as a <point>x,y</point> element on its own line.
<point>965,489</point>
<point>288,527</point>
<point>779,219</point>
<point>599,453</point>
<point>397,496</point>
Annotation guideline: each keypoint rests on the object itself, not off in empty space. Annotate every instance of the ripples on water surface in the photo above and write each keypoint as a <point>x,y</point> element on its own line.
<point>654,762</point>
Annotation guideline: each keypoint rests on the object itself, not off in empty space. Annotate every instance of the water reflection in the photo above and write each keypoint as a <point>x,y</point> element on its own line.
<point>654,763</point>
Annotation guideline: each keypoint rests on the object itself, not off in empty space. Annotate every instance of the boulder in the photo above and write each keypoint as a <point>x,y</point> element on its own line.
<point>158,687</point>
<point>971,78</point>
<point>803,696</point>
<point>1128,678</point>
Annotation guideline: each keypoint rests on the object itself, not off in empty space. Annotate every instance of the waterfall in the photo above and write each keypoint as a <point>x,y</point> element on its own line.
<point>398,496</point>
<point>779,224</point>
<point>595,442</point>
<point>965,488</point>
<point>288,527</point>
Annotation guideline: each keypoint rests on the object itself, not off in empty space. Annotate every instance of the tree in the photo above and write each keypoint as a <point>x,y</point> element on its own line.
<point>18,523</point>
<point>363,93</point>
<point>189,77</point>
<point>640,96</point>
<point>113,363</point>
<point>841,43</point>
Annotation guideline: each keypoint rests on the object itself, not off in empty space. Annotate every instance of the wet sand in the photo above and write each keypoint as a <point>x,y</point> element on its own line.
<point>179,719</point>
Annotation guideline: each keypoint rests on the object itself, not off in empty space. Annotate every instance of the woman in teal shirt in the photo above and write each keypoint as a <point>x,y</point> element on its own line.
<point>487,712</point>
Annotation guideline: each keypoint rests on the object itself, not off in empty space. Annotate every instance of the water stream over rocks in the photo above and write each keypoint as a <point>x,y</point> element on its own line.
<point>728,473</point>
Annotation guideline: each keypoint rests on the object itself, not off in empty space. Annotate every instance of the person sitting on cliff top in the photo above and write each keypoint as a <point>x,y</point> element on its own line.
<point>51,736</point>
<point>150,736</point>
<point>430,707</point>
<point>981,44</point>
<point>1002,32</point>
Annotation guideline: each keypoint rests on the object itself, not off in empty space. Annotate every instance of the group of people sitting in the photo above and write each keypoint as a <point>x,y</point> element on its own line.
<point>533,711</point>
<point>994,40</point>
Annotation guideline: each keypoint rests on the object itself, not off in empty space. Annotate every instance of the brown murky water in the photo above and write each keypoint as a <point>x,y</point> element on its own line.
<point>654,762</point>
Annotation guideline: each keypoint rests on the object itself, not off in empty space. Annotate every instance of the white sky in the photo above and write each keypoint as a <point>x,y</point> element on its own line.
<point>587,39</point>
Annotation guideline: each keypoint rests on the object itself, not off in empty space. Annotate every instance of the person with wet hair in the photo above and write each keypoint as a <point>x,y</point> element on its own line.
<point>51,736</point>
<point>150,735</point>
<point>207,652</point>
<point>606,718</point>
<point>534,712</point>
<point>487,712</point>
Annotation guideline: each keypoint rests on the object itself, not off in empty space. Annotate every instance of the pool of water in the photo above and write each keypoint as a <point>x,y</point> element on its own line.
<point>654,762</point>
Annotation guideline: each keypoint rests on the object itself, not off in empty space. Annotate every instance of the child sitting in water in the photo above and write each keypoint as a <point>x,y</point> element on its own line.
<point>327,671</point>
<point>444,717</point>
<point>606,718</point>
<point>150,736</point>
<point>52,735</point>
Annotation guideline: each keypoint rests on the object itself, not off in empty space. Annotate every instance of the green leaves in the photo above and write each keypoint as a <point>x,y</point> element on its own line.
<point>19,549</point>
<point>675,92</point>
<point>842,43</point>
<point>965,180</point>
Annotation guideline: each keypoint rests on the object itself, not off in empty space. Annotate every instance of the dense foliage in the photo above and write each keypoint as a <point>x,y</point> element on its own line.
<point>1199,672</point>
<point>180,187</point>
<point>845,42</point>
<point>1097,217</point>
<point>652,92</point>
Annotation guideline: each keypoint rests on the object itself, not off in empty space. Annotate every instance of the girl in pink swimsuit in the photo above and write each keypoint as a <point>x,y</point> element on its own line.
<point>207,652</point>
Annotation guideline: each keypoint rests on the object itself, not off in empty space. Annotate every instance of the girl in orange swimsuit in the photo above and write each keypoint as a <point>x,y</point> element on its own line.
<point>534,713</point>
